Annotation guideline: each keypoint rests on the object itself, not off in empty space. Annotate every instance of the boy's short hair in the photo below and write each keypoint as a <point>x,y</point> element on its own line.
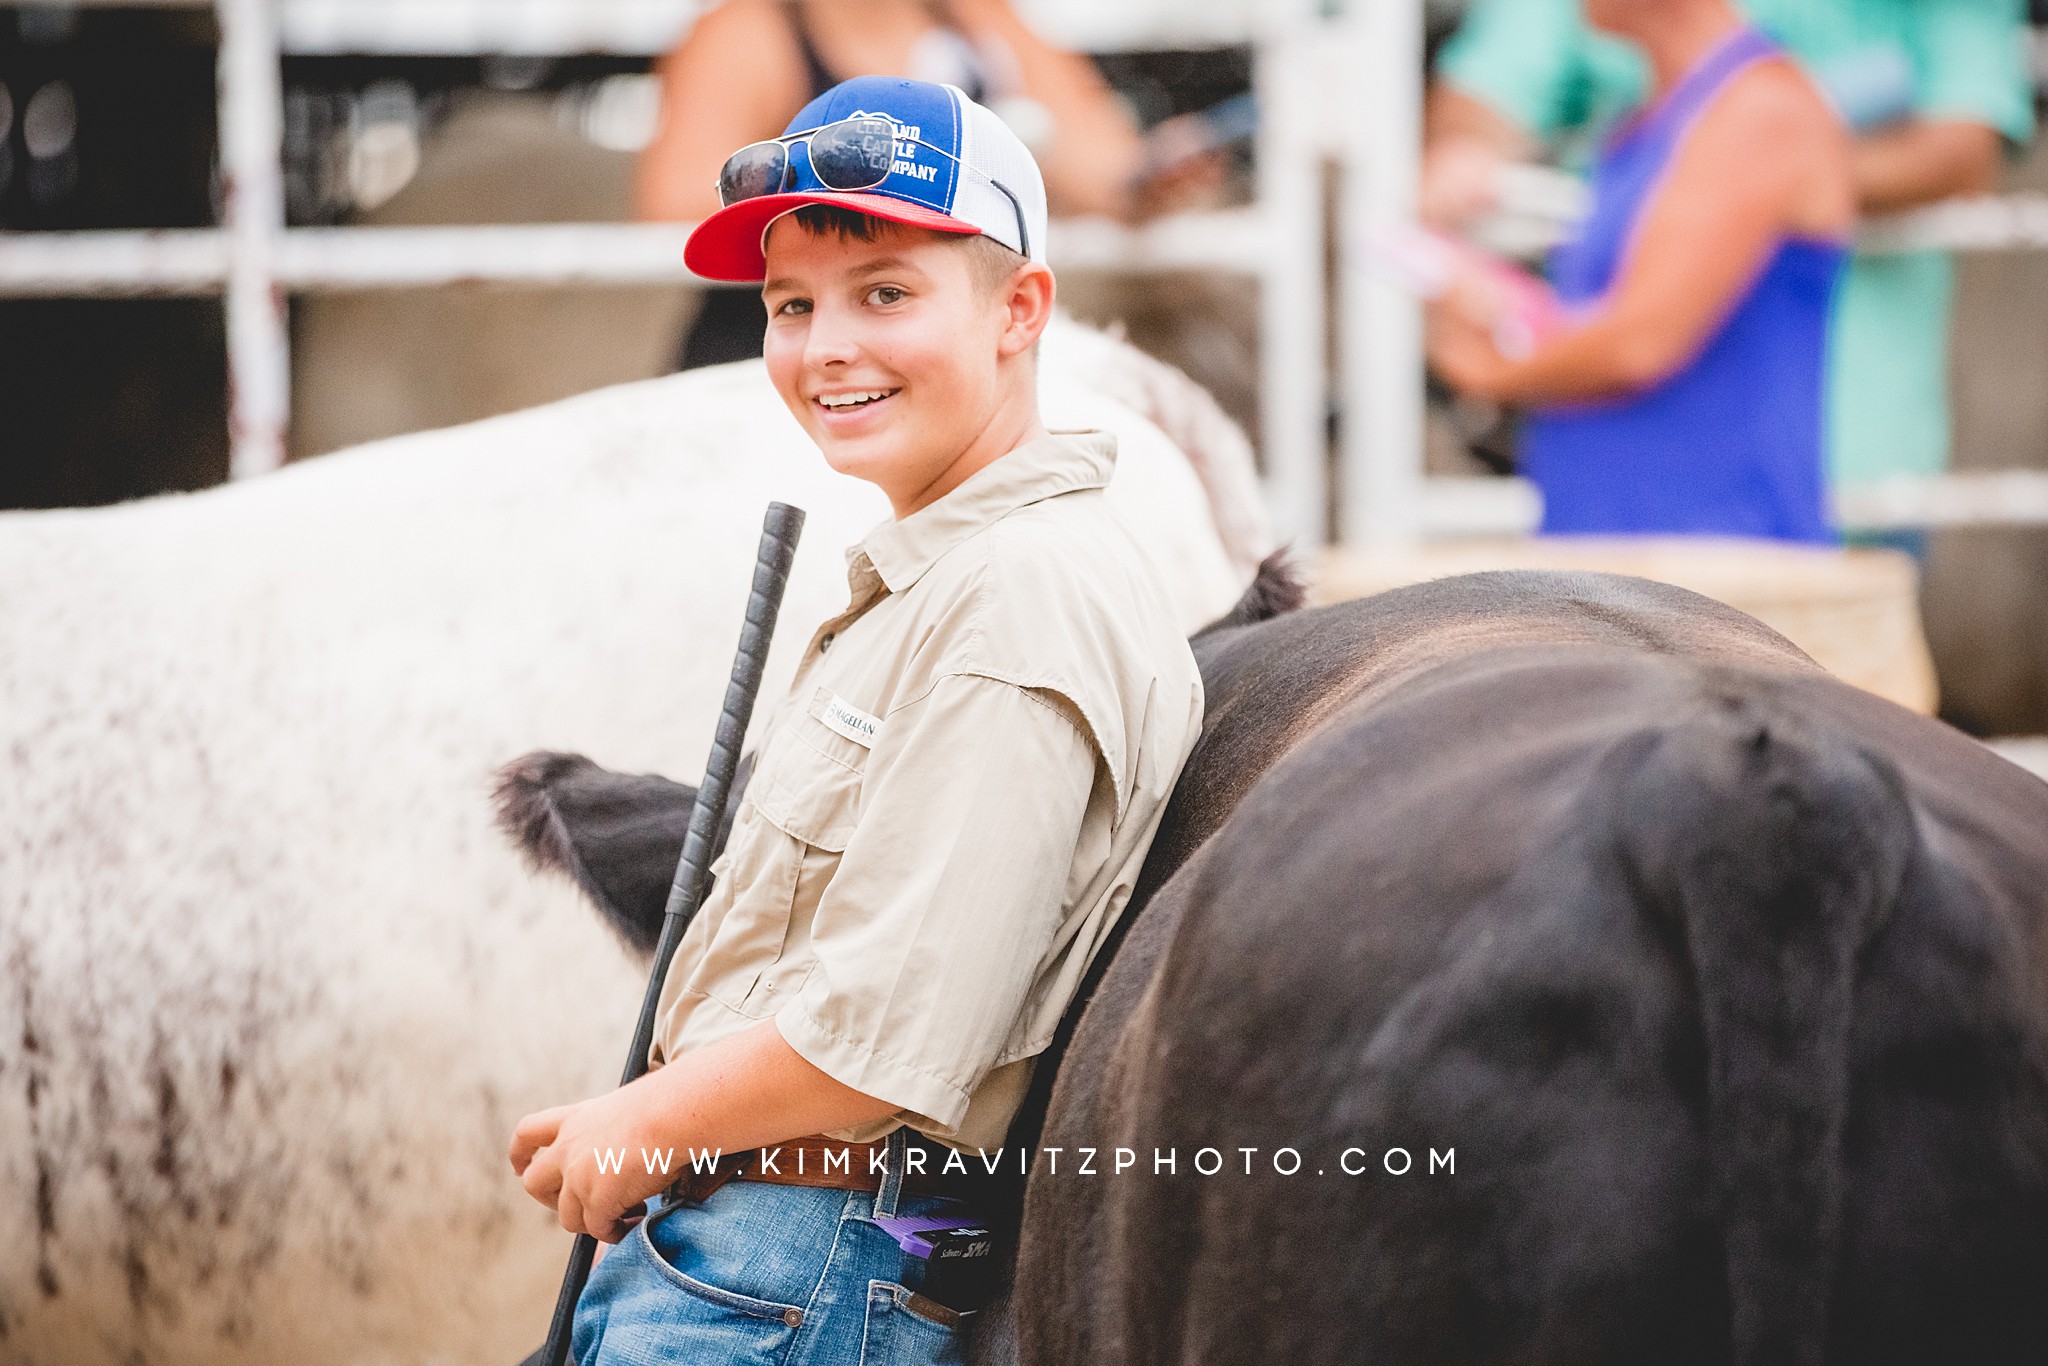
<point>989,263</point>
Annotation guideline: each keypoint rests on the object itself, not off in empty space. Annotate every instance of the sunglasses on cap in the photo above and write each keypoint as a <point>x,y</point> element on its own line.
<point>850,154</point>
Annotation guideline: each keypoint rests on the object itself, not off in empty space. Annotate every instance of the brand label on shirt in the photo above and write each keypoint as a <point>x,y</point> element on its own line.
<point>850,721</point>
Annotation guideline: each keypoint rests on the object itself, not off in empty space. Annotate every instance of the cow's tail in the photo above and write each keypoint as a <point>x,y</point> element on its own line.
<point>1772,853</point>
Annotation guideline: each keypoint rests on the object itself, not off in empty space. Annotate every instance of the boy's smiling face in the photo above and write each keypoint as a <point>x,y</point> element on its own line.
<point>900,363</point>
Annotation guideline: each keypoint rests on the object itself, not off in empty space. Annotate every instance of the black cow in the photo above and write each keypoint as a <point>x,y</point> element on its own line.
<point>1722,981</point>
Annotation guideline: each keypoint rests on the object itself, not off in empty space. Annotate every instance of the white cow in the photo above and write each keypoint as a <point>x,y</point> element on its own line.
<point>272,989</point>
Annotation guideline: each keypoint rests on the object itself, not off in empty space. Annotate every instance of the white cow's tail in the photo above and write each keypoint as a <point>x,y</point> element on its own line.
<point>1772,854</point>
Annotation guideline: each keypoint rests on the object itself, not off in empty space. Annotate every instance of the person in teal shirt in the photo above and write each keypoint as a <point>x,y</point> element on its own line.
<point>1931,88</point>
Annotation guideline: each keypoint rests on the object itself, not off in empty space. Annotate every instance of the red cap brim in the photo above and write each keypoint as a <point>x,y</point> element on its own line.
<point>727,245</point>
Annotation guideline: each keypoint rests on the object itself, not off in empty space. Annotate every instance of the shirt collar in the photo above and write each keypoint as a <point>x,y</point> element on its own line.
<point>1060,462</point>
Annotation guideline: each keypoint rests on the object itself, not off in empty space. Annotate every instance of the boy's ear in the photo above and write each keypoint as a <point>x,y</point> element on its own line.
<point>1027,300</point>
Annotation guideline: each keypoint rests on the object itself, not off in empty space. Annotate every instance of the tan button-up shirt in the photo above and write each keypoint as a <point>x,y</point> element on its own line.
<point>949,810</point>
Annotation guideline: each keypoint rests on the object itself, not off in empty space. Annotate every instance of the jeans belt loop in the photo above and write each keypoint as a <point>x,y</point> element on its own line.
<point>893,1152</point>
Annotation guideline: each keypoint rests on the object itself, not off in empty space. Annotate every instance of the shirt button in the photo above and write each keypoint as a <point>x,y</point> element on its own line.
<point>793,1317</point>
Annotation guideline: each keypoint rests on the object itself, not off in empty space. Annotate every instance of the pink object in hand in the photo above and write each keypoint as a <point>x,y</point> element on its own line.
<point>1429,264</point>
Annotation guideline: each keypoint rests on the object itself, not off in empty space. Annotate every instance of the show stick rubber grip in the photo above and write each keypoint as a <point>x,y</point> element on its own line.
<point>780,531</point>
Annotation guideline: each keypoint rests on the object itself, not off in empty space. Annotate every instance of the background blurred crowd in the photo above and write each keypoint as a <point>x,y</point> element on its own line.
<point>1932,93</point>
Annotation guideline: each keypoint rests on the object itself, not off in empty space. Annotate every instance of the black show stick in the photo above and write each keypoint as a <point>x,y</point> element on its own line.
<point>779,533</point>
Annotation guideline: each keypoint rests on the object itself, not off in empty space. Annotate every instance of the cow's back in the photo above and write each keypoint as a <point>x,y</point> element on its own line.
<point>1342,964</point>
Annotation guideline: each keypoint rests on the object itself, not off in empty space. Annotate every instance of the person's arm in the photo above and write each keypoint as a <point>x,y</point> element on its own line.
<point>1765,161</point>
<point>1095,147</point>
<point>1499,88</point>
<point>1466,142</point>
<point>733,80</point>
<point>747,1091</point>
<point>1972,92</point>
<point>1924,160</point>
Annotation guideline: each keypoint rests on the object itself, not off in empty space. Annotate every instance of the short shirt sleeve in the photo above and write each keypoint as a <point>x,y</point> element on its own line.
<point>948,896</point>
<point>1970,59</point>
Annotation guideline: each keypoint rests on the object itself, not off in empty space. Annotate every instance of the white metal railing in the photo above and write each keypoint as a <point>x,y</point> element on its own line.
<point>1542,206</point>
<point>2012,222</point>
<point>1381,357</point>
<point>252,214</point>
<point>317,260</point>
<point>468,27</point>
<point>554,28</point>
<point>1481,506</point>
<point>1293,340</point>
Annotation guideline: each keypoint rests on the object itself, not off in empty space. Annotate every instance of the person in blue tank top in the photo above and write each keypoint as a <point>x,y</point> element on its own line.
<point>1680,389</point>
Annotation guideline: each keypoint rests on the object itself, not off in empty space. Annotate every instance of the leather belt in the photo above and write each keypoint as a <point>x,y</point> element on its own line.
<point>816,1160</point>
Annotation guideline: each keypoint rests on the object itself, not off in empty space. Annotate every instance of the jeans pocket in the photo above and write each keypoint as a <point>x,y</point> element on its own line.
<point>637,1308</point>
<point>906,1329</point>
<point>785,1316</point>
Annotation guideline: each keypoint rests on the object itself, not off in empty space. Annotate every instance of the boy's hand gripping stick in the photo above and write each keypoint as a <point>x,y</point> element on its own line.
<point>779,533</point>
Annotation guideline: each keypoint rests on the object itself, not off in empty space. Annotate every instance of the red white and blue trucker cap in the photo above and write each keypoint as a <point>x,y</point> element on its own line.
<point>923,188</point>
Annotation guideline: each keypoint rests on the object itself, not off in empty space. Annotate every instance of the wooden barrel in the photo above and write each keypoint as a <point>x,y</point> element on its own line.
<point>1857,612</point>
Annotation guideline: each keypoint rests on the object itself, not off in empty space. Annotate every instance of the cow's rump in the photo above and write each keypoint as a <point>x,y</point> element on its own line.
<point>1723,982</point>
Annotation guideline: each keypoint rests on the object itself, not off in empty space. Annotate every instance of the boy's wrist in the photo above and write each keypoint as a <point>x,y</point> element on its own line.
<point>660,1111</point>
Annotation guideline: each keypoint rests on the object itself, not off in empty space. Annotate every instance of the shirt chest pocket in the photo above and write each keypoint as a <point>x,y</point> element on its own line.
<point>805,800</point>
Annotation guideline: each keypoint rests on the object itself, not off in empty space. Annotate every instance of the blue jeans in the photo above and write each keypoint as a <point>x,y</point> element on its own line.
<point>760,1274</point>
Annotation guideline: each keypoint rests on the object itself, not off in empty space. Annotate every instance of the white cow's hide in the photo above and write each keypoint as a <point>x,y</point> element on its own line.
<point>272,990</point>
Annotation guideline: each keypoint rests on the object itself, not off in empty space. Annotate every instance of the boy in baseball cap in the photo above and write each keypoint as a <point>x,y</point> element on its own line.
<point>948,811</point>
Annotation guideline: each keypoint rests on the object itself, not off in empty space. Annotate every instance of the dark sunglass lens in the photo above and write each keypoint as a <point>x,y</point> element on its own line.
<point>753,171</point>
<point>854,154</point>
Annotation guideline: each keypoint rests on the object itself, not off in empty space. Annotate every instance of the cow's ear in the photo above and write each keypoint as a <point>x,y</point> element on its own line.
<point>1277,589</point>
<point>617,834</point>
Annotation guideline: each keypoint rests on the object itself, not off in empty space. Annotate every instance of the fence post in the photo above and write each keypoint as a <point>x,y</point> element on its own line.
<point>1381,367</point>
<point>252,212</point>
<point>1293,380</point>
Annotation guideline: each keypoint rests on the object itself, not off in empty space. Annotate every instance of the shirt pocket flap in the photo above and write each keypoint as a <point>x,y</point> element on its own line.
<point>811,792</point>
